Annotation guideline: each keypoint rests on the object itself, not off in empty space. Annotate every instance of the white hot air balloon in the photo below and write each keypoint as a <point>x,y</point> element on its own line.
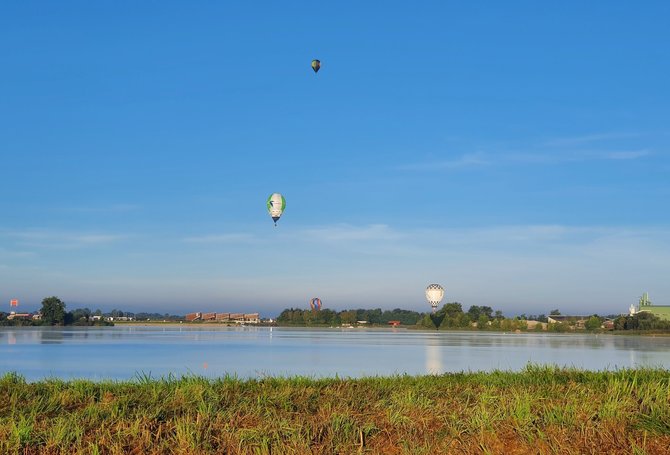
<point>434,295</point>
<point>276,205</point>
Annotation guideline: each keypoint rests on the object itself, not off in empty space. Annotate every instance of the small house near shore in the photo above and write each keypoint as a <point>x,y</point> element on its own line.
<point>237,318</point>
<point>208,316</point>
<point>190,317</point>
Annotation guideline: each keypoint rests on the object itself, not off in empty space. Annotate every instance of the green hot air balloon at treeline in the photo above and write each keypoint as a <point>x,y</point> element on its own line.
<point>316,65</point>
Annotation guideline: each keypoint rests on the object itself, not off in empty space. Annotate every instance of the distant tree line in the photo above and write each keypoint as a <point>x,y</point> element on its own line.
<point>328,317</point>
<point>53,313</point>
<point>451,316</point>
<point>643,321</point>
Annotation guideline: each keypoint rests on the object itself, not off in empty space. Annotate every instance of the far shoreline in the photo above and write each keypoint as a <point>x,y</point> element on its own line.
<point>381,327</point>
<point>174,324</point>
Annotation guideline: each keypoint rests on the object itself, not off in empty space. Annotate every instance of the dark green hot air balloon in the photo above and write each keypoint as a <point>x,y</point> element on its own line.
<point>316,65</point>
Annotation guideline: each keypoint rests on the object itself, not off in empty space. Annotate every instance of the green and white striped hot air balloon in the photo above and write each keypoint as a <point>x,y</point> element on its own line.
<point>276,206</point>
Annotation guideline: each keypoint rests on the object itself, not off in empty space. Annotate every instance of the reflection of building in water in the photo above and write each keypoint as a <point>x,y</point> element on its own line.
<point>51,336</point>
<point>434,359</point>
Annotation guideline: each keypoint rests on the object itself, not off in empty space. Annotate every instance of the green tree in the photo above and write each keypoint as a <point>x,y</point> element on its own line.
<point>53,310</point>
<point>452,309</point>
<point>555,313</point>
<point>593,323</point>
<point>348,317</point>
<point>328,316</point>
<point>620,323</point>
<point>474,313</point>
<point>464,321</point>
<point>375,316</point>
<point>428,322</point>
<point>309,317</point>
<point>558,327</point>
<point>81,314</point>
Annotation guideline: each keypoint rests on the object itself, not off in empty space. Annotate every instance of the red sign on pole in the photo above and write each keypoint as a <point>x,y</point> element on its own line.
<point>14,302</point>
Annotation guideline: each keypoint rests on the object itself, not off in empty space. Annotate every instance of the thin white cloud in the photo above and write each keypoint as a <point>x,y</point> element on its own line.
<point>114,208</point>
<point>524,268</point>
<point>347,232</point>
<point>464,161</point>
<point>630,155</point>
<point>572,156</point>
<point>221,238</point>
<point>542,157</point>
<point>94,239</point>
<point>591,147</point>
<point>22,254</point>
<point>494,241</point>
<point>587,138</point>
<point>59,239</point>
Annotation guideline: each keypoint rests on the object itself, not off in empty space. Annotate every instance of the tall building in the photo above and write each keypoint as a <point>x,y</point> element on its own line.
<point>662,311</point>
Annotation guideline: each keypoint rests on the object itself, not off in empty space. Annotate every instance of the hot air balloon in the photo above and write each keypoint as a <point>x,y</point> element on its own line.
<point>434,295</point>
<point>315,304</point>
<point>316,65</point>
<point>14,302</point>
<point>276,206</point>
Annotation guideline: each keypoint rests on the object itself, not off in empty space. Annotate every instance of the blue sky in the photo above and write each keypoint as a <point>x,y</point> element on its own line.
<point>517,153</point>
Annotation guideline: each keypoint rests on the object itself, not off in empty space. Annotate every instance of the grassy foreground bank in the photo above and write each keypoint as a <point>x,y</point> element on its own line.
<point>538,410</point>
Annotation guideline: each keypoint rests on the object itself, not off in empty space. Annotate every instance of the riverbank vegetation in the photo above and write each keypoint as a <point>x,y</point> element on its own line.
<point>52,313</point>
<point>452,316</point>
<point>328,317</point>
<point>538,410</point>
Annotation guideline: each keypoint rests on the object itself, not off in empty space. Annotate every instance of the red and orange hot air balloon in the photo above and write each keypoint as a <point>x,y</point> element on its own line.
<point>315,304</point>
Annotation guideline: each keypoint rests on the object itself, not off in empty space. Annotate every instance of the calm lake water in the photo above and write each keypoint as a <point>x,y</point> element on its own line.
<point>122,352</point>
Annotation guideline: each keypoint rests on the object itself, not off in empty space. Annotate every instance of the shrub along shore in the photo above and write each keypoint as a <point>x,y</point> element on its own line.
<point>538,410</point>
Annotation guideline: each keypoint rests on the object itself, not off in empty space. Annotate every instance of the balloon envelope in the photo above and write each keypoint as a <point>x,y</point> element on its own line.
<point>315,304</point>
<point>434,295</point>
<point>316,65</point>
<point>276,205</point>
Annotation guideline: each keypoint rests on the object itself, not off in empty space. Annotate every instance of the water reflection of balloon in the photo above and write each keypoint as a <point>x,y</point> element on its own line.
<point>434,359</point>
<point>434,295</point>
